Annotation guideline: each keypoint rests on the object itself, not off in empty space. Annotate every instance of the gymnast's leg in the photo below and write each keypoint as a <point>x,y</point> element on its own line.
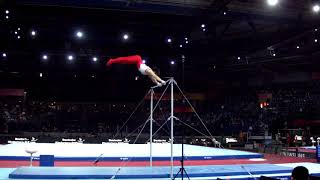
<point>136,59</point>
<point>143,68</point>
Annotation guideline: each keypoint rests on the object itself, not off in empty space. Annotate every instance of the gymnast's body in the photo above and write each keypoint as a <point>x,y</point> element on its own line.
<point>143,68</point>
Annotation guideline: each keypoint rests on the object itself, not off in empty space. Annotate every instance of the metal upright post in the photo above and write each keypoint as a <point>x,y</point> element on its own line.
<point>151,121</point>
<point>171,140</point>
<point>31,158</point>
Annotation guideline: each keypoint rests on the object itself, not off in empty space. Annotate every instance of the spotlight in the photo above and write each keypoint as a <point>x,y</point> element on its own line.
<point>172,62</point>
<point>315,40</point>
<point>44,57</point>
<point>273,2</point>
<point>79,34</point>
<point>186,38</point>
<point>125,36</point>
<point>4,55</point>
<point>18,29</point>
<point>18,37</point>
<point>316,8</point>
<point>181,45</point>
<point>224,13</point>
<point>33,33</point>
<point>143,61</point>
<point>40,74</point>
<point>274,54</point>
<point>298,47</point>
<point>7,17</point>
<point>7,11</point>
<point>239,58</point>
<point>70,57</point>
<point>15,32</point>
<point>187,42</point>
<point>94,59</point>
<point>203,25</point>
<point>203,29</point>
<point>316,29</point>
<point>169,40</point>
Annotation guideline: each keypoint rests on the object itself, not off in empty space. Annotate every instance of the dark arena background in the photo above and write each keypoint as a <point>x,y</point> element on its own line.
<point>241,97</point>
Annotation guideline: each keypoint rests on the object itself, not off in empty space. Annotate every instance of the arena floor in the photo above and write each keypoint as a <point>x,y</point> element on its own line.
<point>76,161</point>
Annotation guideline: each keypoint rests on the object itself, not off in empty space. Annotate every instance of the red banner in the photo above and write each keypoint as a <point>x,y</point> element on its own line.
<point>315,75</point>
<point>181,109</point>
<point>11,92</point>
<point>264,97</point>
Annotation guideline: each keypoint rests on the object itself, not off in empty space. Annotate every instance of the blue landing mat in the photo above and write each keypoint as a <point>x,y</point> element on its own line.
<point>235,171</point>
<point>4,172</point>
<point>120,152</point>
<point>190,158</point>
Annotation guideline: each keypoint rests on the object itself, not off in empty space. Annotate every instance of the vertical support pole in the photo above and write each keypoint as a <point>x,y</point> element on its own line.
<point>31,158</point>
<point>171,139</point>
<point>151,121</point>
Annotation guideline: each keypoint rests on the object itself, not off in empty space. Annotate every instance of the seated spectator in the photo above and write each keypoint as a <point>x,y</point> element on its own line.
<point>300,173</point>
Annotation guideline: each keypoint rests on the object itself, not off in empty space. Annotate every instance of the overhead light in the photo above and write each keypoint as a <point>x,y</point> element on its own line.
<point>203,29</point>
<point>95,59</point>
<point>274,54</point>
<point>15,32</point>
<point>316,8</point>
<point>33,33</point>
<point>224,13</point>
<point>70,57</point>
<point>79,34</point>
<point>239,58</point>
<point>44,57</point>
<point>7,17</point>
<point>125,36</point>
<point>169,40</point>
<point>40,74</point>
<point>316,29</point>
<point>18,37</point>
<point>273,2</point>
<point>187,42</point>
<point>4,55</point>
<point>181,45</point>
<point>172,62</point>
<point>203,25</point>
<point>298,47</point>
<point>315,40</point>
<point>7,11</point>
<point>186,38</point>
<point>18,29</point>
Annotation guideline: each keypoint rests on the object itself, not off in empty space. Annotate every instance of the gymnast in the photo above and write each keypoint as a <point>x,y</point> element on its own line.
<point>143,68</point>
